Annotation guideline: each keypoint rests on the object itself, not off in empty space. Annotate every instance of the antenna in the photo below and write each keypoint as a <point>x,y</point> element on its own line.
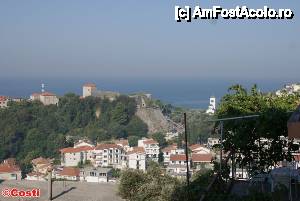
<point>43,87</point>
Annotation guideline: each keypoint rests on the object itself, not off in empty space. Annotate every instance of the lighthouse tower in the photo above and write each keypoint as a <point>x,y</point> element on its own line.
<point>212,105</point>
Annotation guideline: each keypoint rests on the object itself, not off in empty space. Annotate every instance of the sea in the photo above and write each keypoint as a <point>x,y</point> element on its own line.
<point>190,93</point>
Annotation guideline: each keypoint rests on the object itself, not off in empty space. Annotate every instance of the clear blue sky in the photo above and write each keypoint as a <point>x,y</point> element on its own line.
<point>127,39</point>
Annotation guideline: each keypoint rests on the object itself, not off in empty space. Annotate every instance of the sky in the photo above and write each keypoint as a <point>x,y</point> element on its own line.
<point>141,39</point>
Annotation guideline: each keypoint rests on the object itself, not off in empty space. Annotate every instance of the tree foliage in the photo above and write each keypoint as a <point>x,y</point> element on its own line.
<point>257,141</point>
<point>30,129</point>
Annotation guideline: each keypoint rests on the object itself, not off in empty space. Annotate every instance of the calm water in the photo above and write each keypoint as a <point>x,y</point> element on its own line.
<point>193,93</point>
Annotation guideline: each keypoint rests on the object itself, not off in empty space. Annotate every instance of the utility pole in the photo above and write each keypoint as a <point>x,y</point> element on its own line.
<point>186,152</point>
<point>221,147</point>
<point>50,184</point>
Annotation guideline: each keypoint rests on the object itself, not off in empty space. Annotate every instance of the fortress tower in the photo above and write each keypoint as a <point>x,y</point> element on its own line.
<point>88,89</point>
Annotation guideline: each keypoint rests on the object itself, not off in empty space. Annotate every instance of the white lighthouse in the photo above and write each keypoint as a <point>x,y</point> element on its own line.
<point>212,105</point>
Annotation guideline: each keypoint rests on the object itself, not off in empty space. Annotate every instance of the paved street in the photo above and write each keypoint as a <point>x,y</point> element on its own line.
<point>73,191</point>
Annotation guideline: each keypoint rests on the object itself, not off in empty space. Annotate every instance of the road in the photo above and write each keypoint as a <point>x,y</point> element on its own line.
<point>72,191</point>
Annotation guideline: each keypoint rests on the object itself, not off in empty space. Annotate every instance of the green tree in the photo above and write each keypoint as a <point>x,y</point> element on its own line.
<point>133,141</point>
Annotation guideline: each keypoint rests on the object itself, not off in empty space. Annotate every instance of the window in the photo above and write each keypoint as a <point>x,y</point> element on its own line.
<point>92,174</point>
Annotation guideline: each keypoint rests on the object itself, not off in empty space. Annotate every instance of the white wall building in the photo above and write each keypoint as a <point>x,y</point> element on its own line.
<point>212,141</point>
<point>73,156</point>
<point>151,148</point>
<point>110,155</point>
<point>137,158</point>
<point>96,175</point>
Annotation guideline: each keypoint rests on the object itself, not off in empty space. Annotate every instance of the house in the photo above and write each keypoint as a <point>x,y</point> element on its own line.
<point>9,170</point>
<point>212,141</point>
<point>41,165</point>
<point>46,98</point>
<point>171,149</point>
<point>35,176</point>
<point>95,174</point>
<point>202,161</point>
<point>177,166</point>
<point>199,149</point>
<point>71,156</point>
<point>137,158</point>
<point>69,173</point>
<point>293,125</point>
<point>110,155</point>
<point>151,148</point>
<point>3,101</point>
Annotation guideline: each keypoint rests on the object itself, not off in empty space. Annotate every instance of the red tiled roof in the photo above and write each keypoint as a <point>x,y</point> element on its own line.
<point>48,94</point>
<point>202,157</point>
<point>150,141</point>
<point>70,171</point>
<point>136,150</point>
<point>89,85</point>
<point>107,146</point>
<point>3,98</point>
<point>75,150</point>
<point>178,157</point>
<point>5,168</point>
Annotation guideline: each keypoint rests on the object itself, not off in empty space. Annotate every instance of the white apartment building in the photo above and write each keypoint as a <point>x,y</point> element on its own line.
<point>73,156</point>
<point>151,148</point>
<point>177,165</point>
<point>110,155</point>
<point>137,158</point>
<point>171,149</point>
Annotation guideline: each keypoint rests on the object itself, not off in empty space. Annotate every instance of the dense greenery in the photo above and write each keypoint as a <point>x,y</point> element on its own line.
<point>30,129</point>
<point>247,137</point>
<point>154,185</point>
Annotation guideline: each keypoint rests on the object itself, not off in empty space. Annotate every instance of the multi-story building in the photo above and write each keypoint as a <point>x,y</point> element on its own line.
<point>177,166</point>
<point>73,156</point>
<point>171,150</point>
<point>3,101</point>
<point>110,155</point>
<point>151,148</point>
<point>137,158</point>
